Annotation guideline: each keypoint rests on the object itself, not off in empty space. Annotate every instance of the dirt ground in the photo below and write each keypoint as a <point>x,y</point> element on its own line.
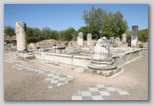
<point>26,85</point>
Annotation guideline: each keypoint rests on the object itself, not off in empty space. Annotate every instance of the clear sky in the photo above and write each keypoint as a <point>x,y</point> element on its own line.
<point>63,16</point>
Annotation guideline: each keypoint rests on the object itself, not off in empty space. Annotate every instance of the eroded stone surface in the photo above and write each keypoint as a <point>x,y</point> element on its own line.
<point>21,36</point>
<point>102,57</point>
<point>80,39</point>
<point>134,37</point>
<point>89,38</point>
<point>124,38</point>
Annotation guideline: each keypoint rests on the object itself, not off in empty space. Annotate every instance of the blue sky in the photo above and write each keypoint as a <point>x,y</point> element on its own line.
<point>63,16</point>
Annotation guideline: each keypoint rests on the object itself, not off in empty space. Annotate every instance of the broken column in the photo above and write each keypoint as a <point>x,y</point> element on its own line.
<point>80,39</point>
<point>102,62</point>
<point>89,38</point>
<point>134,37</point>
<point>116,42</point>
<point>112,40</point>
<point>21,36</point>
<point>124,38</point>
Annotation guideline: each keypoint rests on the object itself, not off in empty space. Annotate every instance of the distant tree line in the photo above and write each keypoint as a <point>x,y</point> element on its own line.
<point>98,22</point>
<point>35,34</point>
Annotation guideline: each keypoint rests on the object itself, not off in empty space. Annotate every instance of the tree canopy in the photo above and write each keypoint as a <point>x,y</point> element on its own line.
<point>102,23</point>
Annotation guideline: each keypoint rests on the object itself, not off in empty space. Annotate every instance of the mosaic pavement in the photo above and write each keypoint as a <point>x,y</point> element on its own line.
<point>54,78</point>
<point>98,92</point>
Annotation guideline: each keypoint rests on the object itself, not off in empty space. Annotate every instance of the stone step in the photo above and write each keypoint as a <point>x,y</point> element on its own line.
<point>101,66</point>
<point>101,62</point>
<point>106,73</point>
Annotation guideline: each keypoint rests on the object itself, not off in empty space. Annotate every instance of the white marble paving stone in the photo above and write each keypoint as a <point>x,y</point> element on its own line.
<point>60,84</point>
<point>41,71</point>
<point>56,77</point>
<point>76,97</point>
<point>105,93</point>
<point>123,92</point>
<point>56,73</point>
<point>111,89</point>
<point>100,94</point>
<point>50,86</point>
<point>66,82</point>
<point>85,93</point>
<point>48,79</point>
<point>119,89</point>
<point>54,81</point>
<point>61,79</point>
<point>97,97</point>
<point>53,72</point>
<point>69,77</point>
<point>94,89</point>
<point>100,86</point>
<point>50,75</point>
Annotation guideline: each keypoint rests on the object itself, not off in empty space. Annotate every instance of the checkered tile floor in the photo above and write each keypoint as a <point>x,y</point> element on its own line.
<point>54,78</point>
<point>98,92</point>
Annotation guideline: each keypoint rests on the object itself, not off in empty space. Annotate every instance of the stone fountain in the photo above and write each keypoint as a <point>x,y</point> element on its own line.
<point>102,61</point>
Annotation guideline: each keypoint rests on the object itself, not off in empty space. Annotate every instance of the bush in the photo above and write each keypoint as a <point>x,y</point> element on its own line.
<point>143,35</point>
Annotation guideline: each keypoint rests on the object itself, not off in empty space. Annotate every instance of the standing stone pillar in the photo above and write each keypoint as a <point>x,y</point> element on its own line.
<point>124,37</point>
<point>117,42</point>
<point>89,38</point>
<point>80,39</point>
<point>21,36</point>
<point>112,40</point>
<point>134,37</point>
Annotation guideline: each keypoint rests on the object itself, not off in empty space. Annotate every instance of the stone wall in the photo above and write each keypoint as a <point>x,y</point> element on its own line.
<point>83,61</point>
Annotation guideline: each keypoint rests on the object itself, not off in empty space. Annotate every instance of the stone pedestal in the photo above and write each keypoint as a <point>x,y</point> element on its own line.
<point>21,37</point>
<point>102,61</point>
<point>89,38</point>
<point>134,37</point>
<point>80,39</point>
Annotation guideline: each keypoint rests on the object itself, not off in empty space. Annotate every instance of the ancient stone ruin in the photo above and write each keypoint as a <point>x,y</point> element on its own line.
<point>22,42</point>
<point>124,38</point>
<point>134,37</point>
<point>116,42</point>
<point>95,57</point>
<point>80,39</point>
<point>89,38</point>
<point>112,40</point>
<point>21,36</point>
<point>102,61</point>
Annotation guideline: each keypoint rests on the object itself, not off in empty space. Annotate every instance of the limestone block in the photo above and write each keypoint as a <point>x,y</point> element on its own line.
<point>21,36</point>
